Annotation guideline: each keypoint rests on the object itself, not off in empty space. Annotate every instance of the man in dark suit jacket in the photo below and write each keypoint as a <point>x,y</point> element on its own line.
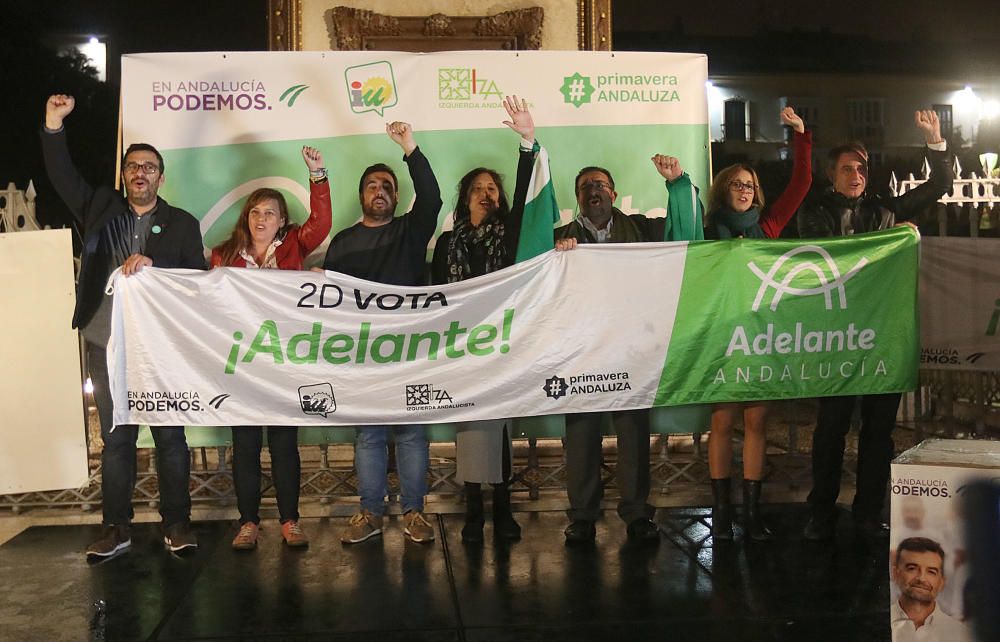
<point>844,209</point>
<point>601,222</point>
<point>134,231</point>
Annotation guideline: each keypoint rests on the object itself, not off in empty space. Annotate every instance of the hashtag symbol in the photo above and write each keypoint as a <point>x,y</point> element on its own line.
<point>576,89</point>
<point>555,387</point>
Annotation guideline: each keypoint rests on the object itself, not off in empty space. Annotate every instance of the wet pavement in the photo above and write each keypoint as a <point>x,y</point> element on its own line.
<point>388,588</point>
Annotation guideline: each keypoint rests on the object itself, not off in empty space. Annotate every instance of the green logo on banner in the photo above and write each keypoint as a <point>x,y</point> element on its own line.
<point>576,89</point>
<point>793,276</point>
<point>292,94</point>
<point>454,84</point>
<point>991,327</point>
<point>371,87</point>
<point>467,85</point>
<point>620,88</point>
<point>828,276</point>
<point>783,319</point>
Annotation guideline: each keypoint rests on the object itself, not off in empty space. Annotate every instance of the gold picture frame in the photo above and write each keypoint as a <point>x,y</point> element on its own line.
<point>517,29</point>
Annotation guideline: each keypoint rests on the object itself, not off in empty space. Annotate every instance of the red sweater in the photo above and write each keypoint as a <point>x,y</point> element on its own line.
<point>300,240</point>
<point>776,217</point>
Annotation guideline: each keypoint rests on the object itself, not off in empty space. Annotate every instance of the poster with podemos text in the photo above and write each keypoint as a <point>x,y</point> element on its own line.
<point>228,123</point>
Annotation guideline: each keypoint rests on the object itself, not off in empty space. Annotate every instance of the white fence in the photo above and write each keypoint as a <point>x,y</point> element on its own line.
<point>17,209</point>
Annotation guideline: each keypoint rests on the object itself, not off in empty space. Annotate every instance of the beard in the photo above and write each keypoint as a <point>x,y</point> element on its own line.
<point>141,189</point>
<point>597,209</point>
<point>379,213</point>
<point>923,596</point>
<point>142,196</point>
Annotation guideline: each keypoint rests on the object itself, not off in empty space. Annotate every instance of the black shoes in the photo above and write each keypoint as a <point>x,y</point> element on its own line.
<point>179,537</point>
<point>821,527</point>
<point>722,510</point>
<point>871,527</point>
<point>114,539</point>
<point>580,531</point>
<point>505,527</point>
<point>642,530</point>
<point>472,532</point>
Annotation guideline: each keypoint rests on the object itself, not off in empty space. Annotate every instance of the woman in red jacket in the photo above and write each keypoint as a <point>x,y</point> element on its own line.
<point>736,210</point>
<point>264,237</point>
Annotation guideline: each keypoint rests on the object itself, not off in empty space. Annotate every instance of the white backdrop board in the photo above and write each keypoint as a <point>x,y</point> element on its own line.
<point>44,444</point>
<point>960,303</point>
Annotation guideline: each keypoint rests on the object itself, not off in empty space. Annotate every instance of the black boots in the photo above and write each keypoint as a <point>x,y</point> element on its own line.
<point>722,510</point>
<point>756,530</point>
<point>504,525</point>
<point>472,532</point>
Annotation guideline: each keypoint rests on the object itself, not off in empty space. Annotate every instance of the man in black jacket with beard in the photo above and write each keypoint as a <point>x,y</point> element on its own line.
<point>842,210</point>
<point>135,231</point>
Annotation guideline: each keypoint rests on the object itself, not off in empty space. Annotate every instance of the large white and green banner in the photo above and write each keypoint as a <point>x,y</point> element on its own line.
<point>229,123</point>
<point>598,328</point>
<point>960,314</point>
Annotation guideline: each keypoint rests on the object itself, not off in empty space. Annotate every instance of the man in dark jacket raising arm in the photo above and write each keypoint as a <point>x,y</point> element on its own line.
<point>134,231</point>
<point>842,210</point>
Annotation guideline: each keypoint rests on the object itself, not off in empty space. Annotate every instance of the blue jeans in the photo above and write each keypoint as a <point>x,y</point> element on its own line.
<point>371,461</point>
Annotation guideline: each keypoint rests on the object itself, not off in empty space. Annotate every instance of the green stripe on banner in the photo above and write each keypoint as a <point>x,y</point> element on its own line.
<point>782,319</point>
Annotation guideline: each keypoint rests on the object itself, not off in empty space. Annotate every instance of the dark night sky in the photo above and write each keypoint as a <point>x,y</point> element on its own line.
<point>915,31</point>
<point>31,71</point>
<point>898,21</point>
<point>167,25</point>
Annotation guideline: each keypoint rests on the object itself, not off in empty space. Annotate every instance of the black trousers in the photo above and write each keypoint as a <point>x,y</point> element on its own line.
<point>875,449</point>
<point>118,469</point>
<point>583,464</point>
<point>283,443</point>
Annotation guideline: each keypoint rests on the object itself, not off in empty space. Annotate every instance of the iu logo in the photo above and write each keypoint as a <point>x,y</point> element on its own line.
<point>371,87</point>
<point>317,399</point>
<point>829,278</point>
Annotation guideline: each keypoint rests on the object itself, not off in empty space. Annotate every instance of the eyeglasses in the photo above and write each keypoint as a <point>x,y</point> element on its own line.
<point>737,186</point>
<point>601,185</point>
<point>132,167</point>
<point>264,214</point>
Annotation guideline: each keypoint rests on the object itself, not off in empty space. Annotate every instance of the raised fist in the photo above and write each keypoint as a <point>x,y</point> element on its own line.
<point>58,107</point>
<point>313,158</point>
<point>793,120</point>
<point>668,166</point>
<point>402,134</point>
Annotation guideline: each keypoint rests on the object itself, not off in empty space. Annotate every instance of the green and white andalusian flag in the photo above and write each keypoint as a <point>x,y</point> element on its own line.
<point>540,210</point>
